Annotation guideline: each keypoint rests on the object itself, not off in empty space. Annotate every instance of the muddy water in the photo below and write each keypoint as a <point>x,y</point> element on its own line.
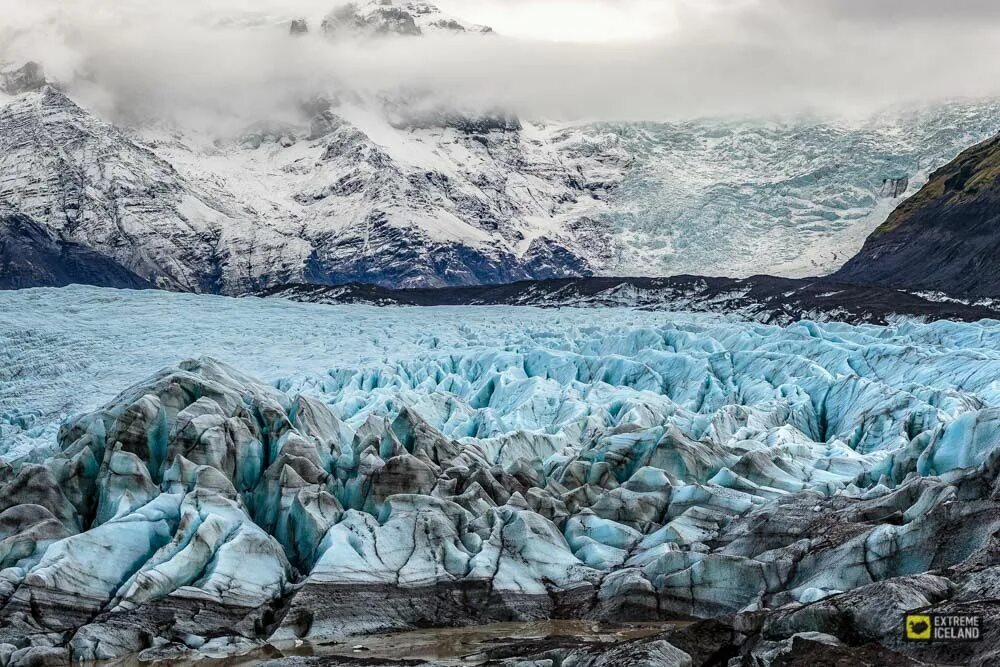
<point>469,646</point>
<point>447,647</point>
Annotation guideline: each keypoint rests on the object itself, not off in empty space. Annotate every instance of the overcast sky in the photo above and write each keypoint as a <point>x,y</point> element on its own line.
<point>571,20</point>
<point>606,20</point>
<point>587,59</point>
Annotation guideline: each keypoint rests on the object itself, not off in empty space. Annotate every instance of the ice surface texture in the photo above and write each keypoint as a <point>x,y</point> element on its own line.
<point>493,464</point>
<point>788,198</point>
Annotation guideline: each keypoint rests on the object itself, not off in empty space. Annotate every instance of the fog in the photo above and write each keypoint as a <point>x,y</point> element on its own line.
<point>220,63</point>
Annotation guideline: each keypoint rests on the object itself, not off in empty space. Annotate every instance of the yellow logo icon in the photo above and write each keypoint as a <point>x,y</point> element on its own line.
<point>918,627</point>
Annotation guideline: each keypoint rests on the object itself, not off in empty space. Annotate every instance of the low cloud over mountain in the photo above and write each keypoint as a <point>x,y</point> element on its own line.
<point>210,61</point>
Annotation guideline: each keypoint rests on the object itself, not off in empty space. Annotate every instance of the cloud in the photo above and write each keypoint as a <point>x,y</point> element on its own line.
<point>571,20</point>
<point>223,62</point>
<point>885,13</point>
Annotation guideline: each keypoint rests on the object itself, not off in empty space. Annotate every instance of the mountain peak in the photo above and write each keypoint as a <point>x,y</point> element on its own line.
<point>26,78</point>
<point>383,18</point>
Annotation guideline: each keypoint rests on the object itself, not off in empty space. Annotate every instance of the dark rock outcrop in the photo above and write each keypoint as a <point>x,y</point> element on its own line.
<point>28,78</point>
<point>31,256</point>
<point>762,298</point>
<point>894,187</point>
<point>946,238</point>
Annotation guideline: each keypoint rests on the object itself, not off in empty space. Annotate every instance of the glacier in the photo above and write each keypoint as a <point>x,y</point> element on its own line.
<point>404,467</point>
<point>788,197</point>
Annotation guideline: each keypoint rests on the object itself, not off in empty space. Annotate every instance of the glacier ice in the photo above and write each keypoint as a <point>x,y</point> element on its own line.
<point>793,197</point>
<point>406,467</point>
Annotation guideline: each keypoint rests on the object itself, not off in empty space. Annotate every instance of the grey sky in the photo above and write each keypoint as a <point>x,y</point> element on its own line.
<point>593,59</point>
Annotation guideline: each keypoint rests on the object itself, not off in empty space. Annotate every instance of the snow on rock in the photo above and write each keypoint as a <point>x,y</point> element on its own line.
<point>374,192</point>
<point>88,183</point>
<point>27,77</point>
<point>665,465</point>
<point>382,18</point>
<point>393,193</point>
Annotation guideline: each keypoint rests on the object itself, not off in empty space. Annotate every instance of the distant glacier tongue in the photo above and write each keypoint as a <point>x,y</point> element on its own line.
<point>468,465</point>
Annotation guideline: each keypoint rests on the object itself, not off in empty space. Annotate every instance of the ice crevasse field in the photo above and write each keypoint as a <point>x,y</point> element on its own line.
<point>535,448</point>
<point>839,404</point>
<point>846,399</point>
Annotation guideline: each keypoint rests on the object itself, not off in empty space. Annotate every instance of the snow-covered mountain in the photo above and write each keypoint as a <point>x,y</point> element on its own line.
<point>402,189</point>
<point>87,182</point>
<point>439,199</point>
<point>349,195</point>
<point>390,188</point>
<point>375,18</point>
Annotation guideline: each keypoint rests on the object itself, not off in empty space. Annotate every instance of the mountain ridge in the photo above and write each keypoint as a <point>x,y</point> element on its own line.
<point>396,197</point>
<point>356,208</point>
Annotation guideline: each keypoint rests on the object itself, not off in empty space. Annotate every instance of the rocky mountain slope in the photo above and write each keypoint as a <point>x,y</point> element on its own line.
<point>85,182</point>
<point>31,256</point>
<point>470,202</point>
<point>804,486</point>
<point>380,18</point>
<point>946,238</point>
